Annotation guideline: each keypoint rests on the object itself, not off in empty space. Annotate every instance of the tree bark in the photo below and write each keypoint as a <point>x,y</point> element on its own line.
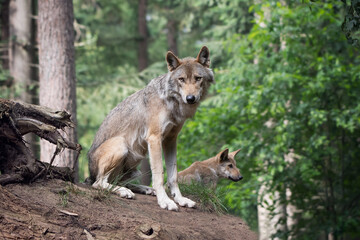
<point>57,70</point>
<point>4,13</point>
<point>21,54</point>
<point>20,44</point>
<point>268,220</point>
<point>143,33</point>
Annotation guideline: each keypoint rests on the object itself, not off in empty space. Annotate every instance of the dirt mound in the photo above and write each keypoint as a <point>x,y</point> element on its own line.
<point>55,209</point>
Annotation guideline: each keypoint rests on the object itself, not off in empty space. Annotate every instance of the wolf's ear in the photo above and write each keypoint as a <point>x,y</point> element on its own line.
<point>223,155</point>
<point>204,57</point>
<point>234,153</point>
<point>172,61</point>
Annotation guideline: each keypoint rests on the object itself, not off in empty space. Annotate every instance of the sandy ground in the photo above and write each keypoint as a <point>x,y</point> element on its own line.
<point>54,209</point>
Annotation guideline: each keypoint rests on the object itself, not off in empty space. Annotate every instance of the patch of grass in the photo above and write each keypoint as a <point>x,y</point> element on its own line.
<point>206,198</point>
<point>71,188</point>
<point>64,198</point>
<point>102,194</point>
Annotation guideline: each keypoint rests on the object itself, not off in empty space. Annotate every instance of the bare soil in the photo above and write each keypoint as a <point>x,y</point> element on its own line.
<point>54,209</point>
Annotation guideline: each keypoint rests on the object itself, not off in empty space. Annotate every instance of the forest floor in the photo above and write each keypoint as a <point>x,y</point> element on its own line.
<point>54,209</point>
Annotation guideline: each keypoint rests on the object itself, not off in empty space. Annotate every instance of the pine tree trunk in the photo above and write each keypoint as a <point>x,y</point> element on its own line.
<point>57,70</point>
<point>142,27</point>
<point>20,44</point>
<point>21,54</point>
<point>4,18</point>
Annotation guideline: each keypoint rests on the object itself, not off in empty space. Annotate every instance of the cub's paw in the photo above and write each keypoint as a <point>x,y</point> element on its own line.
<point>185,202</point>
<point>150,191</point>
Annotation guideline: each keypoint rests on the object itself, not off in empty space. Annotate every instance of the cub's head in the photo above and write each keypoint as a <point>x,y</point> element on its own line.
<point>227,165</point>
<point>191,77</point>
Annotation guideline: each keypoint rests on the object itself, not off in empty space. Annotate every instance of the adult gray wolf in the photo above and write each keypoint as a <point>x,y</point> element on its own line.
<point>150,121</point>
<point>208,172</point>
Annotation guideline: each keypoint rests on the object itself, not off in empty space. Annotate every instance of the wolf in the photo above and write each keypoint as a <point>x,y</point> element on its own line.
<point>150,121</point>
<point>208,172</point>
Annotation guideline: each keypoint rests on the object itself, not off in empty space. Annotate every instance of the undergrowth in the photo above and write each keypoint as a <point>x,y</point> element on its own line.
<point>207,199</point>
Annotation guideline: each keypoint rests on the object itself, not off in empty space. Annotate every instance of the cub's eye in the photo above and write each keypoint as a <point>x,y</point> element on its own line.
<point>198,79</point>
<point>230,166</point>
<point>182,80</point>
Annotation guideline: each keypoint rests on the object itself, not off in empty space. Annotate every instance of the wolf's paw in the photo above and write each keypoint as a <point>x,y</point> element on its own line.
<point>168,204</point>
<point>124,192</point>
<point>185,202</point>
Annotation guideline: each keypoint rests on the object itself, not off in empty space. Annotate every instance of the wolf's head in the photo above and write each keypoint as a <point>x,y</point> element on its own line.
<point>191,76</point>
<point>227,165</point>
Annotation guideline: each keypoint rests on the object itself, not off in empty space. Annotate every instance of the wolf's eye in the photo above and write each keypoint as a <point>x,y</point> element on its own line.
<point>182,80</point>
<point>198,79</point>
<point>230,166</point>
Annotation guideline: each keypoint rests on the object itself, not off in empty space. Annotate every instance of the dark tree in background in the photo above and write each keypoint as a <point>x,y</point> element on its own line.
<point>57,69</point>
<point>172,29</point>
<point>4,18</point>
<point>143,34</point>
<point>142,64</point>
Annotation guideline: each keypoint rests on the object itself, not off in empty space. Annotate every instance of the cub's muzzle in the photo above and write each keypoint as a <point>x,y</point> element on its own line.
<point>236,179</point>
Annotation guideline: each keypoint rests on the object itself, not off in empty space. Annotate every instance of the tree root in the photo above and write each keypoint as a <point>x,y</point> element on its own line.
<point>17,162</point>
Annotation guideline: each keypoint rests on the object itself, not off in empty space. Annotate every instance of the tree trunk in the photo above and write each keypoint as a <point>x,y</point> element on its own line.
<point>57,70</point>
<point>143,33</point>
<point>21,54</point>
<point>269,220</point>
<point>20,44</point>
<point>172,28</point>
<point>4,13</point>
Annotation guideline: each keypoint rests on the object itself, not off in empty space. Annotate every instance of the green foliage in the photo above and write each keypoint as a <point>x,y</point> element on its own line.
<point>294,89</point>
<point>351,23</point>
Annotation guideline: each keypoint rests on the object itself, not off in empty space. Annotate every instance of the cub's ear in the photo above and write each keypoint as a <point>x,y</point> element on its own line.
<point>204,57</point>
<point>234,153</point>
<point>172,61</point>
<point>223,155</point>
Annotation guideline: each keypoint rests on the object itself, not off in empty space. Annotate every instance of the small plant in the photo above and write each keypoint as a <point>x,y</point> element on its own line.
<point>64,198</point>
<point>102,194</point>
<point>207,198</point>
<point>71,188</point>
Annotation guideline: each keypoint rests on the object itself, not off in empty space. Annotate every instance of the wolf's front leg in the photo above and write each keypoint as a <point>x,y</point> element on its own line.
<point>154,145</point>
<point>169,146</point>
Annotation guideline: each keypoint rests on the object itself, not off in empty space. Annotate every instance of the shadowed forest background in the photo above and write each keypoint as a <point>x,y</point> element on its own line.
<point>287,93</point>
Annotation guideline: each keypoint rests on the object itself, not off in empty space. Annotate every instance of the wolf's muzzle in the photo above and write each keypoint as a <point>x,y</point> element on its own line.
<point>190,99</point>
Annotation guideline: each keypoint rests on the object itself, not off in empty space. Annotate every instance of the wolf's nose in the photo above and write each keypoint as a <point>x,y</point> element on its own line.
<point>190,99</point>
<point>241,177</point>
